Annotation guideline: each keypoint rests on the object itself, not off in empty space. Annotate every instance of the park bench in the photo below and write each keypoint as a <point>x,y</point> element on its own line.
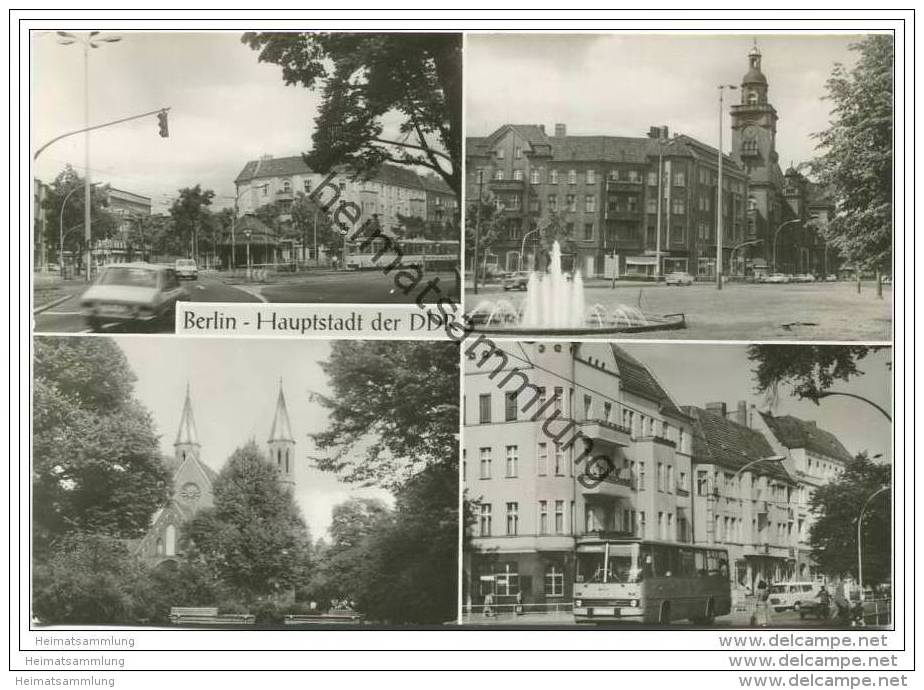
<point>207,615</point>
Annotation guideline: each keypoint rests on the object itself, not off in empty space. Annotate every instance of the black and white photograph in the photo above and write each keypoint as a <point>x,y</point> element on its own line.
<point>240,167</point>
<point>596,195</point>
<point>677,485</point>
<point>252,484</point>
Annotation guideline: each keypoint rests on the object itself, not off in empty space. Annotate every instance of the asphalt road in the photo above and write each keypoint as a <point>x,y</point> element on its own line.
<point>66,318</point>
<point>358,287</point>
<point>745,311</point>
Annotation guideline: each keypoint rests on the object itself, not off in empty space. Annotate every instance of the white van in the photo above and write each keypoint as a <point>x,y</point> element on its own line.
<point>790,595</point>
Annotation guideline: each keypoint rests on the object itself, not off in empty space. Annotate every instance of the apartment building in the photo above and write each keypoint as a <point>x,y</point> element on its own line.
<point>562,440</point>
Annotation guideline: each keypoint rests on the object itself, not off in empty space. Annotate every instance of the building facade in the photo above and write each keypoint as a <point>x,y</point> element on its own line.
<point>131,211</point>
<point>530,410</point>
<point>193,481</point>
<point>622,202</point>
<point>814,457</point>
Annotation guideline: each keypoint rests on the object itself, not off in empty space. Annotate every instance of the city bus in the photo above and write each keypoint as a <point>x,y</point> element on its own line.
<point>650,581</point>
<point>378,253</point>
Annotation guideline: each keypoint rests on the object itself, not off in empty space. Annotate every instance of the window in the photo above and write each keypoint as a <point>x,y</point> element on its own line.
<point>569,229</point>
<point>518,152</point>
<point>484,455</point>
<point>632,203</point>
<point>518,175</point>
<point>588,231</point>
<point>642,527</point>
<point>507,582</point>
<point>498,174</point>
<point>553,177</point>
<point>510,407</point>
<point>572,177</point>
<point>484,520</point>
<point>500,154</point>
<point>559,461</point>
<point>542,459</point>
<point>571,202</point>
<point>752,97</point>
<point>590,203</point>
<point>670,479</point>
<point>591,177</point>
<point>641,475</point>
<point>588,406</point>
<point>554,581</point>
<point>607,411</point>
<point>677,206</point>
<point>484,408</point>
<point>652,179</point>
<point>651,205</point>
<point>679,179</point>
<point>543,517</point>
<point>307,185</point>
<point>662,526</point>
<point>513,461</point>
<point>534,176</point>
<point>661,477</point>
<point>553,202</point>
<point>286,185</point>
<point>634,176</point>
<point>559,517</point>
<point>170,539</point>
<point>682,481</point>
<point>512,519</point>
<point>559,394</point>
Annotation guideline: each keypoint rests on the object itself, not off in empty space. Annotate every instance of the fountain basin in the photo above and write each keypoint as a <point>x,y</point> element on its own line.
<point>667,322</point>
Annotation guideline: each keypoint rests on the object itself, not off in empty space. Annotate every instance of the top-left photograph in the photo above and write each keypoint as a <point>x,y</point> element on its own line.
<point>295,167</point>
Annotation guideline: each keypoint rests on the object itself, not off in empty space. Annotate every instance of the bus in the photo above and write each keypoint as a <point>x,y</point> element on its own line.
<point>378,253</point>
<point>650,581</point>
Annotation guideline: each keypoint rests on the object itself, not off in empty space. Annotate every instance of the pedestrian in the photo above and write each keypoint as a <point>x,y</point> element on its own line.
<point>488,610</point>
<point>518,608</point>
<point>824,603</point>
<point>761,615</point>
<point>841,604</point>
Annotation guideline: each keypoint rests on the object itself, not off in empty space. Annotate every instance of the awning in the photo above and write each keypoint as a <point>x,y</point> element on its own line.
<point>642,260</point>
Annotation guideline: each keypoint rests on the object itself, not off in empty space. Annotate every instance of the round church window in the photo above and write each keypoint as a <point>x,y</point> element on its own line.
<point>190,492</point>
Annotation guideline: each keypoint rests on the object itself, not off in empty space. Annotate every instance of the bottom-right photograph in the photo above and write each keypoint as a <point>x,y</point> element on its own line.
<point>677,484</point>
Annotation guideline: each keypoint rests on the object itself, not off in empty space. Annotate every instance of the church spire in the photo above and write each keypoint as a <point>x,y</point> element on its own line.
<point>187,438</point>
<point>281,429</point>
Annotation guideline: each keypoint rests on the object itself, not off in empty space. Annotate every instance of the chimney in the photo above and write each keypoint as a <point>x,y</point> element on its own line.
<point>742,414</point>
<point>561,129</point>
<point>542,128</point>
<point>717,408</point>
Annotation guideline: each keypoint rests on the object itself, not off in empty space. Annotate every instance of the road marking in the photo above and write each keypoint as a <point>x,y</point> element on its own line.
<point>62,313</point>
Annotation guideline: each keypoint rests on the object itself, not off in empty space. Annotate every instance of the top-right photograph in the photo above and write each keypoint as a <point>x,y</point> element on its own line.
<point>700,187</point>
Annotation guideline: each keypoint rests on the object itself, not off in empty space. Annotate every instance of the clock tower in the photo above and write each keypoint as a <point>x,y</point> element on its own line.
<point>753,123</point>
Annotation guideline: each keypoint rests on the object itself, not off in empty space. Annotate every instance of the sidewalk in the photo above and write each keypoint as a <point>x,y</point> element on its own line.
<point>49,290</point>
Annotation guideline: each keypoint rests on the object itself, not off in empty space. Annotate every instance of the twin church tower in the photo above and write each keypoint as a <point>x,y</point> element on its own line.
<point>193,479</point>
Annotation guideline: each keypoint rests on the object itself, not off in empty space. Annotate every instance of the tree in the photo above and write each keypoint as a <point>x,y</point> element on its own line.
<point>394,409</point>
<point>68,187</point>
<point>488,227</point>
<point>312,224</point>
<point>190,212</point>
<point>253,539</point>
<point>856,159</point>
<point>808,370</point>
<point>90,579</point>
<point>837,505</point>
<point>96,464</point>
<point>365,79</point>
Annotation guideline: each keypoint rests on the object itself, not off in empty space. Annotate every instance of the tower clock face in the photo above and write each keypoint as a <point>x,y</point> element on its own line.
<point>750,132</point>
<point>190,492</point>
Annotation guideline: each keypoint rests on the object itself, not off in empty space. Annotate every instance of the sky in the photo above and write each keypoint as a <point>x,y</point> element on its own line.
<point>233,384</point>
<point>227,108</point>
<point>622,84</point>
<point>695,374</point>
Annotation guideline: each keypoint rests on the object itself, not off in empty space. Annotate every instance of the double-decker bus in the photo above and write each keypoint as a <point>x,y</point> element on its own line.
<point>650,581</point>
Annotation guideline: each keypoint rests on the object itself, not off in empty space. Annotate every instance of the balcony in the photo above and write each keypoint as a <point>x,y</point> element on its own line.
<point>618,484</point>
<point>623,185</point>
<point>623,214</point>
<point>606,432</point>
<point>507,185</point>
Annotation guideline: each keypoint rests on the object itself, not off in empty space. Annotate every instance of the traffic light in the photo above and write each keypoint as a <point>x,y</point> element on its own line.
<point>162,123</point>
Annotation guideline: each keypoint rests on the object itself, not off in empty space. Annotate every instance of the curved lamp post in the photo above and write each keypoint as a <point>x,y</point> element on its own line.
<point>860,535</point>
<point>523,247</point>
<point>777,234</point>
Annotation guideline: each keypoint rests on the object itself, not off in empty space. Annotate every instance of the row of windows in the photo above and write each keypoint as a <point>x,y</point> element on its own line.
<point>504,580</point>
<point>729,529</point>
<point>557,467</point>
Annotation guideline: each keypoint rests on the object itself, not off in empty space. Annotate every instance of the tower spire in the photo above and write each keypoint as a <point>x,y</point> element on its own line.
<point>281,429</point>
<point>282,443</point>
<point>187,433</point>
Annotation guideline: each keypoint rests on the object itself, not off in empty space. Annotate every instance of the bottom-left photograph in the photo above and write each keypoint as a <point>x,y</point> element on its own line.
<point>192,483</point>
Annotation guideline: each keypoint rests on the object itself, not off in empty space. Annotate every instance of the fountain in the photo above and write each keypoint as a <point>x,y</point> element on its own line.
<point>554,305</point>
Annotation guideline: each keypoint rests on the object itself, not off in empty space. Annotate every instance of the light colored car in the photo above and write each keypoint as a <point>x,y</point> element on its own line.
<point>777,278</point>
<point>790,595</point>
<point>804,278</point>
<point>137,293</point>
<point>516,281</point>
<point>678,278</point>
<point>186,268</point>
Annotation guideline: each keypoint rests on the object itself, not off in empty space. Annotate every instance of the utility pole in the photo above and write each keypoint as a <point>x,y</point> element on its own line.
<point>719,210</point>
<point>660,201</point>
<point>477,229</point>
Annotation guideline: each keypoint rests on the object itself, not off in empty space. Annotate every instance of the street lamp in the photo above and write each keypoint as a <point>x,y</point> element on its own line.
<point>747,243</point>
<point>860,535</point>
<point>769,458</point>
<point>92,40</point>
<point>776,235</point>
<point>477,228</point>
<point>523,246</point>
<point>61,228</point>
<point>247,235</point>
<point>718,211</point>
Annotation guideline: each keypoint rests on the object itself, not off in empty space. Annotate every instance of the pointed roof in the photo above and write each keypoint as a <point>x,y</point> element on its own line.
<point>793,432</point>
<point>187,432</point>
<point>282,429</point>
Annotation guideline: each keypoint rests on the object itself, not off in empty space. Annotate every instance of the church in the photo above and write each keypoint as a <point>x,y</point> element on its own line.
<point>193,480</point>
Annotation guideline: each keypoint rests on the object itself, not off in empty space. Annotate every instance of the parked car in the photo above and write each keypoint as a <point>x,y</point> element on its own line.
<point>678,278</point>
<point>515,281</point>
<point>792,595</point>
<point>804,278</point>
<point>777,278</point>
<point>831,278</point>
<point>137,293</point>
<point>186,268</point>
